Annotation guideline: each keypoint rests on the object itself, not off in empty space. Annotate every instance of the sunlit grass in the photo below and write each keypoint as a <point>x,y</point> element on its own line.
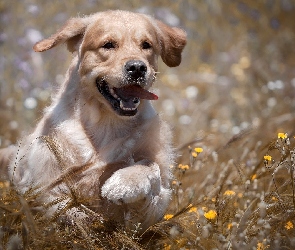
<point>234,207</point>
<point>231,105</point>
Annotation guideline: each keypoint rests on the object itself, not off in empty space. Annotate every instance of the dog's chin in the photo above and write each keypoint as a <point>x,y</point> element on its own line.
<point>123,105</point>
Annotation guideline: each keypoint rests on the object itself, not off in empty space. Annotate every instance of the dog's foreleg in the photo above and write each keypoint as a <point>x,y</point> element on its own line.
<point>133,183</point>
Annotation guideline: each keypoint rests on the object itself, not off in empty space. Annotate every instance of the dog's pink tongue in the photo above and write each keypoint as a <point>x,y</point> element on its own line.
<point>136,91</point>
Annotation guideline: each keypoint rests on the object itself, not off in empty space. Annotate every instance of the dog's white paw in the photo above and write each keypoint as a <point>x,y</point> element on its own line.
<point>132,184</point>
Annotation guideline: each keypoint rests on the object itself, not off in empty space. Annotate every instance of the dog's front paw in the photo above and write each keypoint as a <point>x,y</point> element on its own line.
<point>132,184</point>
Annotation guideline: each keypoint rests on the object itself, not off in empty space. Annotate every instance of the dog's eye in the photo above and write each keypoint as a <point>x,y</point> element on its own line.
<point>146,45</point>
<point>109,45</point>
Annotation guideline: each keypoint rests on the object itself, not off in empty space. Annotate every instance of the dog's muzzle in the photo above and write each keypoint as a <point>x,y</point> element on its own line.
<point>126,99</point>
<point>135,70</point>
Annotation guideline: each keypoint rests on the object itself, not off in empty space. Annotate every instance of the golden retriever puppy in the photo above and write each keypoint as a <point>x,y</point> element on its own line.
<point>101,138</point>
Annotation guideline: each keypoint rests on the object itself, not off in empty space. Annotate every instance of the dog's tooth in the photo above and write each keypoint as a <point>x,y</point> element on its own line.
<point>137,103</point>
<point>121,105</point>
<point>127,109</point>
<point>112,91</point>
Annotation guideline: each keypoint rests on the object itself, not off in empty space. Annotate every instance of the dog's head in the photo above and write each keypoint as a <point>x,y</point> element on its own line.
<point>118,53</point>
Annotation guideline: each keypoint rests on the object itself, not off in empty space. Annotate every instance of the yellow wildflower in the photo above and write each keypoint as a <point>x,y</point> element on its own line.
<point>229,226</point>
<point>261,246</point>
<point>198,150</point>
<point>282,135</point>
<point>210,215</point>
<point>274,198</point>
<point>253,177</point>
<point>168,216</point>
<point>167,247</point>
<point>174,182</point>
<point>229,193</point>
<point>183,167</point>
<point>192,209</point>
<point>289,225</point>
<point>267,157</point>
<point>194,154</point>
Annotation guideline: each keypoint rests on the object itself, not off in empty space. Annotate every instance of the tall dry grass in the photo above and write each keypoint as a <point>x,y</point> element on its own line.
<point>231,97</point>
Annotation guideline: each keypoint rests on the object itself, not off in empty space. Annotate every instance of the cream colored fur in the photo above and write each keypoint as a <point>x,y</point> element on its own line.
<point>81,147</point>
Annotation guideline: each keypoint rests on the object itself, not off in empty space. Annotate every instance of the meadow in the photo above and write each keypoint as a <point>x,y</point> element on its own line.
<point>231,107</point>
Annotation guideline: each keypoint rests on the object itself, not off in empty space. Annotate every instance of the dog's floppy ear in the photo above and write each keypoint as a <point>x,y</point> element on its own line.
<point>172,41</point>
<point>71,32</point>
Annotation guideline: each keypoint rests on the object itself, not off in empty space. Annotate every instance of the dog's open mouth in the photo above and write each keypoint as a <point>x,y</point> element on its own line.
<point>124,100</point>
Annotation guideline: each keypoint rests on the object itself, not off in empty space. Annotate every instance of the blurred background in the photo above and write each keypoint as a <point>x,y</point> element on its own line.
<point>238,68</point>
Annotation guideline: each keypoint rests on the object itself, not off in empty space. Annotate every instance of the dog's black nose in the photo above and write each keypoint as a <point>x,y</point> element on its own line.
<point>135,68</point>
